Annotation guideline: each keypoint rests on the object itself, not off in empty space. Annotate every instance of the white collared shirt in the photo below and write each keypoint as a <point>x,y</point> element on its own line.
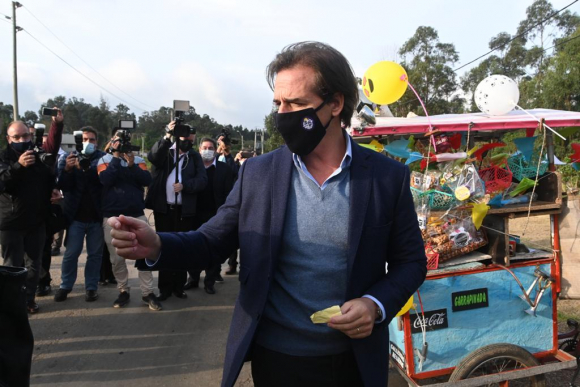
<point>346,160</point>
<point>169,190</point>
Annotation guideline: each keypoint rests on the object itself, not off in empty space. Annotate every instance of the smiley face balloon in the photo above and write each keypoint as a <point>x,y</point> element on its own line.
<point>384,82</point>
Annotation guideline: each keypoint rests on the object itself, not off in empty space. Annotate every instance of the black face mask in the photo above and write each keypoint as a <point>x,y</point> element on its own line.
<point>21,147</point>
<point>301,130</point>
<point>185,145</point>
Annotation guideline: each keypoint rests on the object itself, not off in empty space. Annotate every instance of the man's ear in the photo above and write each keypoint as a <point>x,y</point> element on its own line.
<point>336,104</point>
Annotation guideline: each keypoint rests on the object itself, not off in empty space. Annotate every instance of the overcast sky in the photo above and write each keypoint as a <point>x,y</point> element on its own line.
<point>214,52</point>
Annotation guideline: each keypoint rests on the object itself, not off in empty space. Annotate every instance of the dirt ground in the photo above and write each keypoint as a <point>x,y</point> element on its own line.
<point>92,344</point>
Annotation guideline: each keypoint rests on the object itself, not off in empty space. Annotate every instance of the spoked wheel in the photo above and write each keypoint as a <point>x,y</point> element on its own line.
<point>497,358</point>
<point>568,346</point>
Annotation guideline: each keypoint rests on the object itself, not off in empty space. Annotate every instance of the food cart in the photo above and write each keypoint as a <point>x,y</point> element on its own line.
<point>488,316</point>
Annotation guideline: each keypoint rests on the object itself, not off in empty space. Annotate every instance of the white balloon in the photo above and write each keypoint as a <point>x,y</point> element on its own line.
<point>496,95</point>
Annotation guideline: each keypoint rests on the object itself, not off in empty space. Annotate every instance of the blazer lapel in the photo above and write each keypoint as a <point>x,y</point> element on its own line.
<point>280,176</point>
<point>361,172</point>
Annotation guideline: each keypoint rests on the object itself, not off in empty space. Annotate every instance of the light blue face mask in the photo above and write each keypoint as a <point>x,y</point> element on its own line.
<point>88,148</point>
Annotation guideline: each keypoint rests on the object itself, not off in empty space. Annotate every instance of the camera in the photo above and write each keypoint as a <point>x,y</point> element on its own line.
<point>49,112</point>
<point>180,129</point>
<point>84,160</point>
<point>123,133</point>
<point>46,158</point>
<point>227,139</point>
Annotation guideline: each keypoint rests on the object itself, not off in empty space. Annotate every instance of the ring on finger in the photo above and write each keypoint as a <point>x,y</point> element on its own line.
<point>357,330</point>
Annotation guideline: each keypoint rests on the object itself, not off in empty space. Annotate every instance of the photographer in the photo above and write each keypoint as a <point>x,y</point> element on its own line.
<point>224,151</point>
<point>79,180</point>
<point>25,205</point>
<point>51,142</point>
<point>172,215</point>
<point>124,177</point>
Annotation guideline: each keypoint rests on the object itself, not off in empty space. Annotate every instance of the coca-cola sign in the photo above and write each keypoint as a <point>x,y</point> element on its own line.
<point>433,320</point>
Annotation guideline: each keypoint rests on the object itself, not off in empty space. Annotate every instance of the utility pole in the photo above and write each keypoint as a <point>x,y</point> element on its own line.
<point>255,138</point>
<point>15,29</point>
<point>262,141</point>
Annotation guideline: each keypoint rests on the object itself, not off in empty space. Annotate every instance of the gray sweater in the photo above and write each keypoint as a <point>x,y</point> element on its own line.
<point>311,270</point>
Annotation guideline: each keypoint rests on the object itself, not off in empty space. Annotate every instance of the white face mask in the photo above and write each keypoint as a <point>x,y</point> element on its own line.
<point>207,154</point>
<point>88,148</point>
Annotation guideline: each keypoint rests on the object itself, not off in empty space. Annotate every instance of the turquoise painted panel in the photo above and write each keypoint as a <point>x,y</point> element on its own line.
<point>504,321</point>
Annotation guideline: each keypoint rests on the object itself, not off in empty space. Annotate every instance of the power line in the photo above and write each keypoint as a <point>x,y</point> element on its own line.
<point>78,71</point>
<point>85,62</point>
<point>516,37</point>
<point>562,42</point>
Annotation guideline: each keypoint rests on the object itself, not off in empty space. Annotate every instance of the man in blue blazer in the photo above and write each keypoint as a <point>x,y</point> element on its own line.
<point>316,222</point>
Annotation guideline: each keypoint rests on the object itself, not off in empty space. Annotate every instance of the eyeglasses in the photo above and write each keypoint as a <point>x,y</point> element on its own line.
<point>17,137</point>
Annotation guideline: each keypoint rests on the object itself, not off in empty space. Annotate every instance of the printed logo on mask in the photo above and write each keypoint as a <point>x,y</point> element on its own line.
<point>308,123</point>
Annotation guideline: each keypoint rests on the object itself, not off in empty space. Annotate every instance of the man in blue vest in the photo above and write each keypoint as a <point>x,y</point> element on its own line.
<point>316,222</point>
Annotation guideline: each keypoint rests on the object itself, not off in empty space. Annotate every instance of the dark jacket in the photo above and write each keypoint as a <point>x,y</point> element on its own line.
<point>75,182</point>
<point>123,186</point>
<point>231,162</point>
<point>223,183</point>
<point>216,194</point>
<point>192,174</point>
<point>382,228</point>
<point>25,198</point>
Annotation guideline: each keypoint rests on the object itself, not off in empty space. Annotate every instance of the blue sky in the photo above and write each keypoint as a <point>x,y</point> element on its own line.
<point>214,52</point>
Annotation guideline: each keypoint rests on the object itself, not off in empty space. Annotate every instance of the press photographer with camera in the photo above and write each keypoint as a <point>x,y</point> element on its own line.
<point>172,198</point>
<point>28,180</point>
<point>124,177</point>
<point>79,181</point>
<point>224,150</point>
<point>49,144</point>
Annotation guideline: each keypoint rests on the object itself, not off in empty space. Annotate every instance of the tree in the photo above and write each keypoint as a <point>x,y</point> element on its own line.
<point>562,78</point>
<point>509,62</point>
<point>29,117</point>
<point>6,116</point>
<point>524,56</point>
<point>428,64</point>
<point>275,139</point>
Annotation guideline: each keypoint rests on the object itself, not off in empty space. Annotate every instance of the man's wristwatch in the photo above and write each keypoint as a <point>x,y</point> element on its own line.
<point>379,314</point>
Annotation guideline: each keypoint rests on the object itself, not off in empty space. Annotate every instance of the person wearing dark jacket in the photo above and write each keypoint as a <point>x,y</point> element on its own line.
<point>224,153</point>
<point>124,177</point>
<point>50,144</point>
<point>80,184</point>
<point>174,204</point>
<point>220,179</point>
<point>24,206</point>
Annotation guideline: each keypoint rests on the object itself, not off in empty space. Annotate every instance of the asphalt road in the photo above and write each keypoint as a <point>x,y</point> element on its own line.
<point>92,344</point>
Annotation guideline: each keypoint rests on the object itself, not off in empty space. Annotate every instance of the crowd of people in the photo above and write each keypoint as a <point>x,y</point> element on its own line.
<point>55,199</point>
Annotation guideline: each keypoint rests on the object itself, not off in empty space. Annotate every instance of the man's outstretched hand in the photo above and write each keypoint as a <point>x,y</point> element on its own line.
<point>134,239</point>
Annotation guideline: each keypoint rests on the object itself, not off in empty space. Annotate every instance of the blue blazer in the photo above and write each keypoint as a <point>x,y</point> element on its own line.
<point>383,228</point>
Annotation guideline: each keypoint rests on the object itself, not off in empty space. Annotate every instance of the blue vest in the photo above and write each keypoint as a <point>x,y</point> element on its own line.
<point>311,271</point>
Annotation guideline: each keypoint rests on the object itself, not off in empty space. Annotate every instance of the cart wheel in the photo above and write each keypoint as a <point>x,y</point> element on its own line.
<point>568,346</point>
<point>496,358</point>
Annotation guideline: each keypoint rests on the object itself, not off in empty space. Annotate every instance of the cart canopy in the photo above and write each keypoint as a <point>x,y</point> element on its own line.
<point>516,119</point>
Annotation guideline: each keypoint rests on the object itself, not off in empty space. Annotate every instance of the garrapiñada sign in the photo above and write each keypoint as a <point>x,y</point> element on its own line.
<point>469,299</point>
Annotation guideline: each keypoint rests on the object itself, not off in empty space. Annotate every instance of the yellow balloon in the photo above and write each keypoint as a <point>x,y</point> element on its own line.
<point>406,307</point>
<point>384,82</point>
